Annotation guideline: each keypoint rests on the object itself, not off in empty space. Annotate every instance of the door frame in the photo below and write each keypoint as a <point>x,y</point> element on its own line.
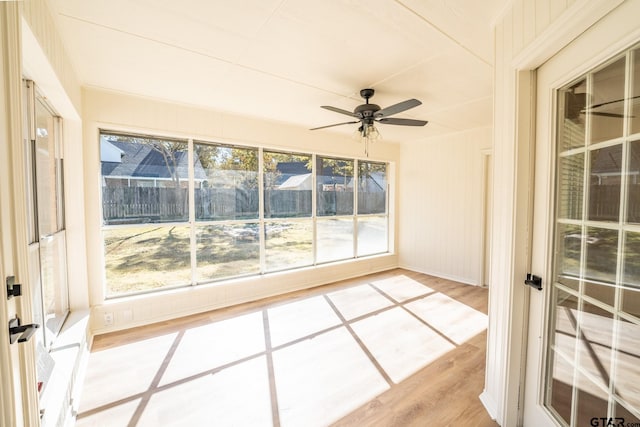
<point>626,33</point>
<point>511,253</point>
<point>622,32</point>
<point>19,359</point>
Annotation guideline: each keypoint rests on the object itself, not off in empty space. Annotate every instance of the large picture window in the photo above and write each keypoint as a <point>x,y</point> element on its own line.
<point>184,212</point>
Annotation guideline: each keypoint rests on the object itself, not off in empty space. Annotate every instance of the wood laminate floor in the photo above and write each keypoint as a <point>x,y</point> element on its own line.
<point>390,349</point>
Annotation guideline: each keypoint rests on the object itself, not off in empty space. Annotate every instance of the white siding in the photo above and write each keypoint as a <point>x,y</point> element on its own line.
<point>441,205</point>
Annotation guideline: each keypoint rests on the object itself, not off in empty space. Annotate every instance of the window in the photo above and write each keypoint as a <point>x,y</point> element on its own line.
<point>287,204</point>
<point>183,212</point>
<point>334,205</point>
<point>372,208</point>
<point>47,233</point>
<point>145,206</point>
<point>226,210</point>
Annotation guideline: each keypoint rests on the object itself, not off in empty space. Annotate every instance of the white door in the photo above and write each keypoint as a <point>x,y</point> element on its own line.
<point>583,357</point>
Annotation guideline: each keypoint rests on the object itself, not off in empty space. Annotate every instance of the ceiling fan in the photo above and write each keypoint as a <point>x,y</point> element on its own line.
<point>576,106</point>
<point>368,114</point>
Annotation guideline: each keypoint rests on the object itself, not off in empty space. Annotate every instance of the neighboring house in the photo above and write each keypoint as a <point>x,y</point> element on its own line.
<point>296,176</point>
<point>128,164</point>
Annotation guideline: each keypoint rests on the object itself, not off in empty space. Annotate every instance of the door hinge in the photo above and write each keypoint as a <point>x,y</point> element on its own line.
<point>533,281</point>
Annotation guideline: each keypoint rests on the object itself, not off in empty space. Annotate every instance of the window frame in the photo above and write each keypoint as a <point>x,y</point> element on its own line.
<point>262,220</point>
<point>52,325</point>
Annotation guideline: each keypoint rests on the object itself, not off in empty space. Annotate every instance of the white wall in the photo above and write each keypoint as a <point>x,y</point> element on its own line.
<point>113,111</point>
<point>441,205</point>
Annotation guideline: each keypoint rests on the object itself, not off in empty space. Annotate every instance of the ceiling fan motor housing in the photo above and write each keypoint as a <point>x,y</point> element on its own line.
<point>366,110</point>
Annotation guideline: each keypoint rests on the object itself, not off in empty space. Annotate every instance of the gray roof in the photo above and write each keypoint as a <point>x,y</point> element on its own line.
<point>143,161</point>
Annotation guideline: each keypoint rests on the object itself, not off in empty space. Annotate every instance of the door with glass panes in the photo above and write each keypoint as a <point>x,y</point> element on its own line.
<point>583,366</point>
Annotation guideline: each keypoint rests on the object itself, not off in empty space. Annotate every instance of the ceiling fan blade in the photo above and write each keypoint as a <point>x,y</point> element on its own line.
<point>612,102</point>
<point>337,124</point>
<point>603,114</point>
<point>402,122</point>
<point>398,108</point>
<point>339,110</point>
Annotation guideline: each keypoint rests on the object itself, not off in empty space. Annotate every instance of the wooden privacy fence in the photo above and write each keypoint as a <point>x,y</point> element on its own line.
<point>144,204</point>
<point>604,203</point>
<point>150,204</point>
<point>287,203</point>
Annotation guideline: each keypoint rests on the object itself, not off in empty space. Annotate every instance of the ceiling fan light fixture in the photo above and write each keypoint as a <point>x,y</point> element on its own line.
<point>367,133</point>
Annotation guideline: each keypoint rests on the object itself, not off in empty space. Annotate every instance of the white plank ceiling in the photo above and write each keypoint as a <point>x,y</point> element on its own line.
<point>281,59</point>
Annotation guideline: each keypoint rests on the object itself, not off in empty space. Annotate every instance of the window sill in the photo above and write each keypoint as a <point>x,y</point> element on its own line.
<point>69,352</point>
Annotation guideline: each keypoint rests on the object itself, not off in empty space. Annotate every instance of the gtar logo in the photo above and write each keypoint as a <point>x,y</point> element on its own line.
<point>607,422</point>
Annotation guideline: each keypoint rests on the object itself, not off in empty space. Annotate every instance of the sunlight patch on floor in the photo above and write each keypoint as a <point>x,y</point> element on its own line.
<point>238,395</point>
<point>400,343</point>
<point>319,380</point>
<point>119,415</point>
<point>451,318</point>
<point>216,344</point>
<point>401,288</point>
<point>358,301</point>
<point>298,319</point>
<point>132,367</point>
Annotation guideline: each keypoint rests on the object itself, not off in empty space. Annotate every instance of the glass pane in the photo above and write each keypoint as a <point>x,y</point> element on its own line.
<point>566,318</point>
<point>630,419</point>
<point>288,244</point>
<point>372,235</point>
<point>143,179</point>
<point>145,258</point>
<point>287,185</point>
<point>560,389</point>
<point>570,186</point>
<point>53,273</point>
<point>631,276</point>
<point>627,380</point>
<point>600,269</point>
<point>227,251</point>
<point>635,94</point>
<point>562,353</point>
<point>606,108</point>
<point>226,182</point>
<point>334,239</point>
<point>633,180</point>
<point>596,327</point>
<point>372,188</point>
<point>45,172</point>
<point>605,184</point>
<point>334,182</point>
<point>571,126</point>
<point>592,402</point>
<point>569,248</point>
<point>631,301</point>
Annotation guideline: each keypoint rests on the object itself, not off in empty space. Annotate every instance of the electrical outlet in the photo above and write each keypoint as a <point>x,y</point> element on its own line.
<point>108,319</point>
